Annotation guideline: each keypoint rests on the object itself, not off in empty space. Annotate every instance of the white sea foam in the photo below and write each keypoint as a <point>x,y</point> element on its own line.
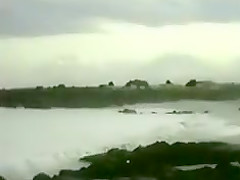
<point>34,141</point>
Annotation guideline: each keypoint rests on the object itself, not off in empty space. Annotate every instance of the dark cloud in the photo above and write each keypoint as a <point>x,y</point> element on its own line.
<point>45,17</point>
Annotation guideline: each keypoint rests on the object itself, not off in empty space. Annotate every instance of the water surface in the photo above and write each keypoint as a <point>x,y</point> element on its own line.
<point>33,141</point>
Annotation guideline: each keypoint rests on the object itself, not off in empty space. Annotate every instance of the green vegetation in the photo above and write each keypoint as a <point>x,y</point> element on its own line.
<point>136,91</point>
<point>192,83</point>
<point>168,82</point>
<point>111,84</point>
<point>139,84</point>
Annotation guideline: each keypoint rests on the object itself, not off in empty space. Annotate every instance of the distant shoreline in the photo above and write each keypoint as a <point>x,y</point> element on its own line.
<point>107,96</point>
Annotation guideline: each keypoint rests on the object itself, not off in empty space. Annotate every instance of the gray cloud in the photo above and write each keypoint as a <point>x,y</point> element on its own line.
<point>45,17</point>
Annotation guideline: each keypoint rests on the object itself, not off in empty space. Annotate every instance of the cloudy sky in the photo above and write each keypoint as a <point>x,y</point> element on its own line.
<point>87,42</point>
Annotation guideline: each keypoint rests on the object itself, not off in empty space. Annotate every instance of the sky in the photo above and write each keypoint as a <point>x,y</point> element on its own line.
<point>90,42</point>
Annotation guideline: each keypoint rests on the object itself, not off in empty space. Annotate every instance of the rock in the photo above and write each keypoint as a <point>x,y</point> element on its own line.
<point>180,112</point>
<point>160,159</point>
<point>173,112</point>
<point>42,176</point>
<point>186,112</point>
<point>128,111</point>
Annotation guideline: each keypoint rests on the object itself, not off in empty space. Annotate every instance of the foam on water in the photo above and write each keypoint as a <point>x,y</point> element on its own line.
<point>33,141</point>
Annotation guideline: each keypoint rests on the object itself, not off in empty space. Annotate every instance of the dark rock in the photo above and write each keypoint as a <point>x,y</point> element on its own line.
<point>159,161</point>
<point>128,111</point>
<point>36,107</point>
<point>42,176</point>
<point>180,112</point>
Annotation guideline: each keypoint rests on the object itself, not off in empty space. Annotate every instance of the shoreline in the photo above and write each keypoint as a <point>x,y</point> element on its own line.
<point>100,97</point>
<point>157,160</point>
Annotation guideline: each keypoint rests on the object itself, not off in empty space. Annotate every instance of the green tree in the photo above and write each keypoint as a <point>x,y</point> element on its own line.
<point>39,88</point>
<point>102,86</point>
<point>168,82</point>
<point>138,83</point>
<point>61,86</point>
<point>192,83</point>
<point>111,84</point>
